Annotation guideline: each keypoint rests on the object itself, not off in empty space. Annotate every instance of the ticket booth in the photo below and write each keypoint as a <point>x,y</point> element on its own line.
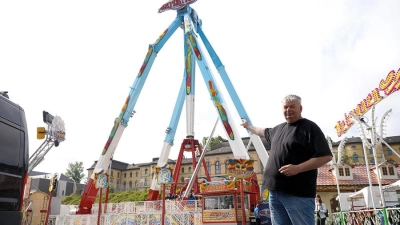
<point>223,202</point>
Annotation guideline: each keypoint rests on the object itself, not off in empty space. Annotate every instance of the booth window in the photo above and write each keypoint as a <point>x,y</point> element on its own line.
<point>239,201</point>
<point>218,202</point>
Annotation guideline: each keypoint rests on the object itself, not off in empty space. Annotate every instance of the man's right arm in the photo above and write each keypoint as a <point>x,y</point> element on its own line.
<point>259,131</point>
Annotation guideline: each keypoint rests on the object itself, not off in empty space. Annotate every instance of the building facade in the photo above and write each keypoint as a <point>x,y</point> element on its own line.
<point>353,152</point>
<point>124,176</point>
<point>351,174</point>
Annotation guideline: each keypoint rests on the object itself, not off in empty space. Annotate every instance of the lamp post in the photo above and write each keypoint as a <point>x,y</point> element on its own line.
<point>335,163</point>
<point>368,174</point>
<point>376,140</point>
<point>52,187</point>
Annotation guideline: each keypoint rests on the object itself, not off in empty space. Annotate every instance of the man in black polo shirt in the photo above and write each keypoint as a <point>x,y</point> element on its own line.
<point>298,149</point>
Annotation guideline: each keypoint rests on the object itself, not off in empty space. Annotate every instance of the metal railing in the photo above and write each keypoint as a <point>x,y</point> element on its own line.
<point>149,212</point>
<point>365,217</point>
<point>145,212</point>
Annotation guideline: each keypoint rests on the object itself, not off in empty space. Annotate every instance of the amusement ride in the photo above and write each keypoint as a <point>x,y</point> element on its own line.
<point>196,45</point>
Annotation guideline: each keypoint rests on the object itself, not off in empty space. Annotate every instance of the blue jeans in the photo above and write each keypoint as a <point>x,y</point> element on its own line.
<point>287,209</point>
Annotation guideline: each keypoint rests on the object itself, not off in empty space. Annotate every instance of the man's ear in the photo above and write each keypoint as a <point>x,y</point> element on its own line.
<point>301,108</point>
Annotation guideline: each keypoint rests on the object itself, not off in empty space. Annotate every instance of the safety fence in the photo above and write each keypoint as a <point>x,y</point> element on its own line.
<point>387,216</point>
<point>144,213</point>
<point>190,212</point>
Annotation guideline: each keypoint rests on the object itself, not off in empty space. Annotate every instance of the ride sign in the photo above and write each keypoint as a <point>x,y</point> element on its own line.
<point>386,87</point>
<point>240,168</point>
<point>58,129</point>
<point>164,175</point>
<point>101,180</point>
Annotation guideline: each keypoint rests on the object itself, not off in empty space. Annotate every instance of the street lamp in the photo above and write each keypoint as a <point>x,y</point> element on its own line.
<point>336,162</point>
<point>376,140</point>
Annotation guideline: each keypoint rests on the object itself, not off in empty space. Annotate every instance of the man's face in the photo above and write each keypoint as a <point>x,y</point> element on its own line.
<point>292,111</point>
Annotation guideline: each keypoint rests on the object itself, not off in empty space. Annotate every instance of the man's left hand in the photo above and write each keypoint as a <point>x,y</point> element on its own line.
<point>289,170</point>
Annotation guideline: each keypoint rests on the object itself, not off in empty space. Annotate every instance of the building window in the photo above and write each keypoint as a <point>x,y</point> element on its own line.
<point>182,179</point>
<point>130,184</point>
<point>112,173</point>
<point>136,183</point>
<point>389,151</point>
<point>190,169</point>
<point>344,171</point>
<point>226,166</point>
<point>391,170</point>
<point>384,171</point>
<point>372,160</point>
<point>347,171</point>
<point>217,167</point>
<point>370,151</point>
<point>145,171</point>
<point>341,172</point>
<point>130,175</point>
<point>118,174</point>
<point>388,170</point>
<point>353,147</point>
<point>124,175</point>
<point>183,170</point>
<point>208,164</point>
<point>355,158</point>
<point>145,181</point>
<point>136,174</point>
<point>124,185</point>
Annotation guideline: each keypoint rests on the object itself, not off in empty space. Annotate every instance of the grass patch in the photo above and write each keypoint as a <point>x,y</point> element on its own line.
<point>126,196</point>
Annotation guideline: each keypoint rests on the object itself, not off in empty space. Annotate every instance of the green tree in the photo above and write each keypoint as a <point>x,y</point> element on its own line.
<point>213,142</point>
<point>75,171</point>
<point>345,157</point>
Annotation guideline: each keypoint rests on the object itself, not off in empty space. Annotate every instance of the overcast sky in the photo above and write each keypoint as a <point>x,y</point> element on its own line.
<point>78,60</point>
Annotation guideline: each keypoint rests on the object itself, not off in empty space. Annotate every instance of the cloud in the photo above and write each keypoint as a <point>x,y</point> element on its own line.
<point>79,60</point>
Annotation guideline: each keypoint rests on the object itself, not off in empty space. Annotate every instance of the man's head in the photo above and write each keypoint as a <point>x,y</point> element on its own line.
<point>292,108</point>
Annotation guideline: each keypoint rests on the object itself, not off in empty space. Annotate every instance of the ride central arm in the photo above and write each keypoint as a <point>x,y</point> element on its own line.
<point>258,145</point>
<point>121,122</point>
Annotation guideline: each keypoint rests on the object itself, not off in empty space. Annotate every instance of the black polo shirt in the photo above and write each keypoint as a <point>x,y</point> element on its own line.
<point>294,144</point>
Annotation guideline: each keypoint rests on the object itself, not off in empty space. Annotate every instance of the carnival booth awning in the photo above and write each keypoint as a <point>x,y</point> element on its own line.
<point>389,195</point>
<point>392,187</point>
<point>365,194</point>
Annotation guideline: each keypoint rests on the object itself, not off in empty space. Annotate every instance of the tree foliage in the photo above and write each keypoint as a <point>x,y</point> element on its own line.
<point>345,157</point>
<point>213,142</point>
<point>75,171</point>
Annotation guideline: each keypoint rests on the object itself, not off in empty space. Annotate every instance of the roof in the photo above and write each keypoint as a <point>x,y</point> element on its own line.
<point>360,176</point>
<point>132,167</point>
<point>224,147</point>
<point>225,144</point>
<point>64,178</point>
<point>36,173</point>
<point>60,176</point>
<point>114,165</point>
<point>155,162</point>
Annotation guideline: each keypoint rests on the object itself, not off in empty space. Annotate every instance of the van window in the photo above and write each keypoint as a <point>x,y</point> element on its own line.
<point>10,140</point>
